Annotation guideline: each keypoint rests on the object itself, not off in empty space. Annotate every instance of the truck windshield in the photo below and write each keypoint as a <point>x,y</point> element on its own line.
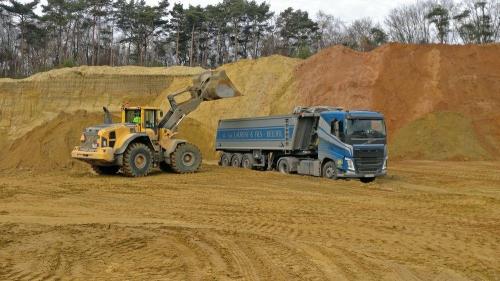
<point>366,128</point>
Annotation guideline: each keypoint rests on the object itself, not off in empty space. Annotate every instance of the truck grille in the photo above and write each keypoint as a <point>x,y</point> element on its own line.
<point>368,160</point>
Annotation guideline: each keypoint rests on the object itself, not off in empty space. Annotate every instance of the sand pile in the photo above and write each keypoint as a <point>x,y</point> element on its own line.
<point>407,82</point>
<point>48,146</point>
<point>27,103</point>
<point>430,138</point>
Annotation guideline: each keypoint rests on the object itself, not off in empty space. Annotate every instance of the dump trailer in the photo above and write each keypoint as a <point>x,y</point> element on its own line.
<point>145,137</point>
<point>318,141</point>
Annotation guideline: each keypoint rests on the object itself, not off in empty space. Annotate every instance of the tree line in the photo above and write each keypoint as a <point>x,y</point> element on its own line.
<point>131,32</point>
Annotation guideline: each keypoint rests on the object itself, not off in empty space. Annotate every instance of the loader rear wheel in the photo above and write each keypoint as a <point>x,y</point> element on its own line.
<point>225,159</point>
<point>236,160</point>
<point>137,160</point>
<point>186,158</point>
<point>105,170</point>
<point>247,161</point>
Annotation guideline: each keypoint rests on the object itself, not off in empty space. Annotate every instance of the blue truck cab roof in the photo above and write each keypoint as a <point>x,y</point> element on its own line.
<point>355,114</point>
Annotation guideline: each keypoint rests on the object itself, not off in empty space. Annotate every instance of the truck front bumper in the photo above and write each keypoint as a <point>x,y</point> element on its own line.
<point>351,174</point>
<point>98,156</point>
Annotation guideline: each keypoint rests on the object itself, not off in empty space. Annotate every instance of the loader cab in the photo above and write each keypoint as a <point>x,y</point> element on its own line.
<point>146,118</point>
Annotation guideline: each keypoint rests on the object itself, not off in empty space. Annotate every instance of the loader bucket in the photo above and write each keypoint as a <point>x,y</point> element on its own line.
<point>216,85</point>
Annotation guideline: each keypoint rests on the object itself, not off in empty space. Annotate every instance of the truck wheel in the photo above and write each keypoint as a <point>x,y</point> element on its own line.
<point>186,158</point>
<point>330,170</point>
<point>137,160</point>
<point>284,166</point>
<point>236,160</point>
<point>165,167</point>
<point>366,180</point>
<point>247,161</point>
<point>225,159</point>
<point>105,170</point>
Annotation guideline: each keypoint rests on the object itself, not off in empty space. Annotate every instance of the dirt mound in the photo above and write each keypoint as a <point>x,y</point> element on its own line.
<point>430,138</point>
<point>48,146</point>
<point>407,82</point>
<point>28,103</point>
<point>31,116</point>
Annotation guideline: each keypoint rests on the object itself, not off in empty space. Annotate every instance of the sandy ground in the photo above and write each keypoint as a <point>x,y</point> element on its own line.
<point>426,221</point>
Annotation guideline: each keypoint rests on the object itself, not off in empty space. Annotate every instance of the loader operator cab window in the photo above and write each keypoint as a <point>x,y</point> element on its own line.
<point>133,116</point>
<point>150,119</point>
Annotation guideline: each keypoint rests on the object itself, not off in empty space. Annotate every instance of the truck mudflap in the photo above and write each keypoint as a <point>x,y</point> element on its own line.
<point>99,155</point>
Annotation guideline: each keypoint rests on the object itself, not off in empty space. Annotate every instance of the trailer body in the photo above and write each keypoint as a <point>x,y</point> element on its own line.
<point>309,141</point>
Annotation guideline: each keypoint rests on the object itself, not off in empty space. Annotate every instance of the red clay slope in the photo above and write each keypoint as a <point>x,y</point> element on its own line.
<point>408,82</point>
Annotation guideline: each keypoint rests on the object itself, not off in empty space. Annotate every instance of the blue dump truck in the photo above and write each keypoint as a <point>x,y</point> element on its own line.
<point>318,141</point>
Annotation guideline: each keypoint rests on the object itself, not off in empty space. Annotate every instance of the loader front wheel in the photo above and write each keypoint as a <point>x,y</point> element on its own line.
<point>105,170</point>
<point>186,158</point>
<point>137,160</point>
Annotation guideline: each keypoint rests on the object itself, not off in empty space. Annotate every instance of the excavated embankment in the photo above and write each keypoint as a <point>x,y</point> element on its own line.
<point>440,101</point>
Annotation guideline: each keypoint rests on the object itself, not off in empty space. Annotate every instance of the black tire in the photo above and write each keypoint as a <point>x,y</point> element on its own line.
<point>225,159</point>
<point>329,170</point>
<point>247,161</point>
<point>367,180</point>
<point>236,160</point>
<point>164,167</point>
<point>106,170</point>
<point>284,166</point>
<point>137,160</point>
<point>186,159</point>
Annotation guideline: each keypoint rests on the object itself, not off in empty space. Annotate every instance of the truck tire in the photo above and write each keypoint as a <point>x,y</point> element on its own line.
<point>105,170</point>
<point>137,160</point>
<point>366,180</point>
<point>247,161</point>
<point>225,159</point>
<point>236,160</point>
<point>164,167</point>
<point>186,158</point>
<point>329,170</point>
<point>284,166</point>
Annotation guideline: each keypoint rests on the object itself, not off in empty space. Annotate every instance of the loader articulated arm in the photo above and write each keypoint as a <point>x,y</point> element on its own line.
<point>208,86</point>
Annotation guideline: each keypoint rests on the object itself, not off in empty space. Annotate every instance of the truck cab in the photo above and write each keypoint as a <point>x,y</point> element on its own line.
<point>355,141</point>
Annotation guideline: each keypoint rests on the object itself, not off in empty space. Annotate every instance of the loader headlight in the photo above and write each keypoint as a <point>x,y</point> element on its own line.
<point>350,164</point>
<point>104,142</point>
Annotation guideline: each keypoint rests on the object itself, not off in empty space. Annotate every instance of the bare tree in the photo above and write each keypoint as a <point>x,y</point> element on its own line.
<point>408,23</point>
<point>332,30</point>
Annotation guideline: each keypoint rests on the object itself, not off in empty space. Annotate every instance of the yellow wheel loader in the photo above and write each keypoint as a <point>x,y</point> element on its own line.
<point>145,137</point>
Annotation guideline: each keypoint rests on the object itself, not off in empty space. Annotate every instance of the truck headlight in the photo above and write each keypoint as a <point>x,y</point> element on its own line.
<point>350,164</point>
<point>384,167</point>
